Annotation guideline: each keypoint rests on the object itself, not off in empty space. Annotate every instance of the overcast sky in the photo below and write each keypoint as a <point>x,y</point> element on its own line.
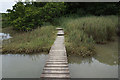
<point>6,4</point>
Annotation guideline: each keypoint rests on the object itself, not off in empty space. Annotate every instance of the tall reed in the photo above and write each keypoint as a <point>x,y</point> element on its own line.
<point>83,32</point>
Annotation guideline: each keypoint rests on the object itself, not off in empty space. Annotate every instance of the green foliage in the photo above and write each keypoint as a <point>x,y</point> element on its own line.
<point>102,29</point>
<point>81,43</point>
<point>91,8</point>
<point>26,18</point>
<point>83,32</point>
<point>5,22</point>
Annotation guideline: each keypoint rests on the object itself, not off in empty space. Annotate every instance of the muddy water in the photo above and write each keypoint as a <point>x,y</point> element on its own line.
<point>102,65</point>
<point>23,66</point>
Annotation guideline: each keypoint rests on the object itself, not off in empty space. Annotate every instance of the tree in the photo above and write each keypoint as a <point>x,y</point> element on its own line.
<point>27,16</point>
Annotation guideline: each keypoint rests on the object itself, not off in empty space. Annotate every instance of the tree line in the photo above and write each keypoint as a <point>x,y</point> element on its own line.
<point>26,16</point>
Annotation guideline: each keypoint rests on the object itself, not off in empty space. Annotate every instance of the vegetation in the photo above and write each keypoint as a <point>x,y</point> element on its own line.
<point>5,22</point>
<point>38,40</point>
<point>26,16</point>
<point>85,24</point>
<point>83,32</point>
<point>93,8</point>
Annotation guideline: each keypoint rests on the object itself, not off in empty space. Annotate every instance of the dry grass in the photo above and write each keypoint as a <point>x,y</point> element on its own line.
<point>83,32</point>
<point>38,40</point>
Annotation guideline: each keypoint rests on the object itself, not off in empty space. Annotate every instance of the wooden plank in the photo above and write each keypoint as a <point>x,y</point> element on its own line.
<point>56,62</point>
<point>56,68</point>
<point>57,65</point>
<point>56,75</point>
<point>60,33</point>
<point>56,57</point>
<point>59,28</point>
<point>56,71</point>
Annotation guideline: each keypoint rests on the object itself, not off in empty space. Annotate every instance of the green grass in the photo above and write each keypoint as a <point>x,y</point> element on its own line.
<point>38,40</point>
<point>83,32</point>
<point>81,35</point>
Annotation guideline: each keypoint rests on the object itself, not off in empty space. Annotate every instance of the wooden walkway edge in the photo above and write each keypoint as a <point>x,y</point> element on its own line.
<point>56,66</point>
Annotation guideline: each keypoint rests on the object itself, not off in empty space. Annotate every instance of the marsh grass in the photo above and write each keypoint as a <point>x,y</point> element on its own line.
<point>83,32</point>
<point>38,40</point>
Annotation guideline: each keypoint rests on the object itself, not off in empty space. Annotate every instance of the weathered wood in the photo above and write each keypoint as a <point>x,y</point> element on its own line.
<point>57,64</point>
<point>60,33</point>
<point>56,71</point>
<point>58,60</point>
<point>59,28</point>
<point>52,75</point>
<point>55,68</point>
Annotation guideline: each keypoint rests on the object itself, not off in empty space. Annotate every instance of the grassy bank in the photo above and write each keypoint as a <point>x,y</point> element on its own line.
<point>83,32</point>
<point>81,35</point>
<point>38,40</point>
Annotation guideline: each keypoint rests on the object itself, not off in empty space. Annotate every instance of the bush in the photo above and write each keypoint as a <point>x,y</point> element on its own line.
<point>26,18</point>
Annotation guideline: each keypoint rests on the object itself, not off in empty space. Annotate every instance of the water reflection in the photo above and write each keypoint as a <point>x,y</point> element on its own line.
<point>93,70</point>
<point>103,65</point>
<point>5,36</point>
<point>107,54</point>
<point>78,60</point>
<point>23,66</point>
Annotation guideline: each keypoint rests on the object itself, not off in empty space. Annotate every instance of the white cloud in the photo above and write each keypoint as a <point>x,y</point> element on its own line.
<point>6,5</point>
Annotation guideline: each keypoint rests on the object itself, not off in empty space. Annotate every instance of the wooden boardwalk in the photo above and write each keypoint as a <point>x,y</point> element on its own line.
<point>56,66</point>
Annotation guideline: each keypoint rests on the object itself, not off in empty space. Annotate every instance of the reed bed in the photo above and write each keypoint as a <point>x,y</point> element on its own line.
<point>83,32</point>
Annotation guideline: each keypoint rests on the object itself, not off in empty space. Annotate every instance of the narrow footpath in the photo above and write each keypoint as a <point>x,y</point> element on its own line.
<point>56,66</point>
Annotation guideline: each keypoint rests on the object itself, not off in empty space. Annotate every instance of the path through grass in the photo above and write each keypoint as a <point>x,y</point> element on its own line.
<point>83,32</point>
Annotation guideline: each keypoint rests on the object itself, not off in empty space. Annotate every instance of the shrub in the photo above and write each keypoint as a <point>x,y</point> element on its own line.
<point>29,17</point>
